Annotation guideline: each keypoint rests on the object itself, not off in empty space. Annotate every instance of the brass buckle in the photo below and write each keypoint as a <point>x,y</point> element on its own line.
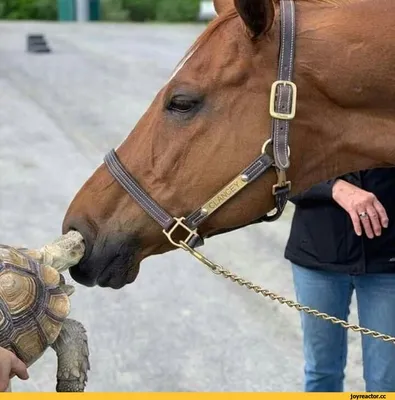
<point>180,223</point>
<point>278,115</point>
<point>281,182</point>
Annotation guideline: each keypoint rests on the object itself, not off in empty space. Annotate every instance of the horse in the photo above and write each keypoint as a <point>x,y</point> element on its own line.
<point>289,92</point>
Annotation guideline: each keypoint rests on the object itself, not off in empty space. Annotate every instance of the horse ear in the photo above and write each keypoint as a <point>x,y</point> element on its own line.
<point>222,5</point>
<point>258,15</point>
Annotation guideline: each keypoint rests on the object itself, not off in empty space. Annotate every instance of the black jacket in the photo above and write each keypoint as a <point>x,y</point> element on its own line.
<point>322,235</point>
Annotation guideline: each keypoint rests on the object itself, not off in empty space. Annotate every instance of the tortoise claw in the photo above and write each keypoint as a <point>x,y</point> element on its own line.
<point>68,289</point>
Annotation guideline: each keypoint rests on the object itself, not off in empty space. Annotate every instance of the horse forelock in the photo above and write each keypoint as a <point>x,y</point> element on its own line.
<point>223,18</point>
<point>204,38</point>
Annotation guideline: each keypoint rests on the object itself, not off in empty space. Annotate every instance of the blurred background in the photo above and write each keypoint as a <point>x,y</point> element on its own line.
<point>75,76</point>
<point>108,10</point>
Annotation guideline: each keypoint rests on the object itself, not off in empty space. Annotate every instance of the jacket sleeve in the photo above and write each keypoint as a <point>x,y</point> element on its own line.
<point>323,191</point>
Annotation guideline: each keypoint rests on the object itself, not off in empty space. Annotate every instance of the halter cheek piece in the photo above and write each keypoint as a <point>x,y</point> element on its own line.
<point>282,111</point>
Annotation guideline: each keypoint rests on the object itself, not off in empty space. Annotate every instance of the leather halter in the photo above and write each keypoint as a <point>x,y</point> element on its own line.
<point>282,110</point>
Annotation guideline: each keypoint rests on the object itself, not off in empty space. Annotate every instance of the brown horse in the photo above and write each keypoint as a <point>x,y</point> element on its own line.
<point>212,117</point>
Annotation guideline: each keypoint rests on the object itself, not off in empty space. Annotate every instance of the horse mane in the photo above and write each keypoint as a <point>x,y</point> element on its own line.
<point>331,2</point>
<point>232,14</point>
<point>207,33</point>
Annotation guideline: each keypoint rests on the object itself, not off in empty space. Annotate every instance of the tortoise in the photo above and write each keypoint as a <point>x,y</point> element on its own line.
<point>34,306</point>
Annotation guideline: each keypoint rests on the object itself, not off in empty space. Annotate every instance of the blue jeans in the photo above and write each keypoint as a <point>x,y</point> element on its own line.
<point>325,344</point>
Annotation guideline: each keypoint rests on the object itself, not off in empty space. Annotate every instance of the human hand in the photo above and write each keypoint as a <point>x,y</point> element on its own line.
<point>363,207</point>
<point>10,365</point>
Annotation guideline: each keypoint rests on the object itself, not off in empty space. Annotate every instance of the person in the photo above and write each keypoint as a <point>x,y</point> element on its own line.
<point>10,366</point>
<point>342,240</point>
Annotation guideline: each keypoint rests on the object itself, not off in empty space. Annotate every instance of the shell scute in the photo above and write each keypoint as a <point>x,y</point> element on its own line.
<point>32,305</point>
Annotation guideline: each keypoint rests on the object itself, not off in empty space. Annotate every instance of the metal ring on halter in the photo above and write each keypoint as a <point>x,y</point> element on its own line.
<point>363,215</point>
<point>269,141</point>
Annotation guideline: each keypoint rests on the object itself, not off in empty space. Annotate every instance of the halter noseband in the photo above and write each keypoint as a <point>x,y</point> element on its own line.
<point>282,111</point>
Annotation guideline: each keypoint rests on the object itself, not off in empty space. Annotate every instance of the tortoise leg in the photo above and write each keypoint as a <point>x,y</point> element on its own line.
<point>72,351</point>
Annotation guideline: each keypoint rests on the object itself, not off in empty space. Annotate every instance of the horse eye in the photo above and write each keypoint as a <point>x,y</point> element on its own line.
<point>182,104</point>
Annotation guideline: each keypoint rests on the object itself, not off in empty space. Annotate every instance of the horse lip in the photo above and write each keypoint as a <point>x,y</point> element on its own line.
<point>82,279</point>
<point>89,238</point>
<point>111,283</point>
<point>78,271</point>
<point>116,279</point>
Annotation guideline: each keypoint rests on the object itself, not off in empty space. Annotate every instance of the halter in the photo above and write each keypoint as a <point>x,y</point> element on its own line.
<point>282,110</point>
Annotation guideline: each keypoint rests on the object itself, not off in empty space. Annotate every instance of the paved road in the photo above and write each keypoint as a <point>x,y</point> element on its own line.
<point>179,327</point>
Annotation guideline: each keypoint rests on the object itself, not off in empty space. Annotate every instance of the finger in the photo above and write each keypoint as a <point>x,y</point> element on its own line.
<point>374,220</point>
<point>5,366</point>
<point>382,213</point>
<point>356,222</point>
<point>4,384</point>
<point>367,226</point>
<point>19,368</point>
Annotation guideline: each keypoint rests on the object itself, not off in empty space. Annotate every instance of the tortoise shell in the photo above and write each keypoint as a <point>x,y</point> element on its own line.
<point>32,305</point>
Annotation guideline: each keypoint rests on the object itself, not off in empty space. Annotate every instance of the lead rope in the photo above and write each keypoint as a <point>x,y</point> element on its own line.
<point>221,271</point>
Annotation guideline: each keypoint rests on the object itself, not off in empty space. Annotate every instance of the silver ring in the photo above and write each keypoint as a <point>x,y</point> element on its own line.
<point>363,215</point>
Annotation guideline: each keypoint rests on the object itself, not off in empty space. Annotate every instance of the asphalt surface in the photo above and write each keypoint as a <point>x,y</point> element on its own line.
<point>179,327</point>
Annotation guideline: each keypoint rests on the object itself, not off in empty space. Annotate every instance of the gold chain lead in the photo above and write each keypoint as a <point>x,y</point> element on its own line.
<point>219,270</point>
